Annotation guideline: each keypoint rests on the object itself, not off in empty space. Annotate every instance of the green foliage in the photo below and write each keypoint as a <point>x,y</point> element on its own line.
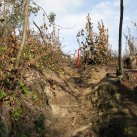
<point>39,125</point>
<point>2,49</point>
<point>28,54</point>
<point>52,17</point>
<point>8,81</point>
<point>3,95</point>
<point>25,90</point>
<point>34,97</point>
<point>3,129</point>
<point>16,114</point>
<point>22,134</point>
<point>34,10</point>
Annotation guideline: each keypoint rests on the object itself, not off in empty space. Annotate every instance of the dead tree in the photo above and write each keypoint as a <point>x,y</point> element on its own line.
<point>120,66</point>
<point>25,26</point>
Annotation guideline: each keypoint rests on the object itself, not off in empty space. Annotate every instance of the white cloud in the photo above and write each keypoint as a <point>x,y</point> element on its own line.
<point>59,6</point>
<point>68,16</point>
<point>109,13</point>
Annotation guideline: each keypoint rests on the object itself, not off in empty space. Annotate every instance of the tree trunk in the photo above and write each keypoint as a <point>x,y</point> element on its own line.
<point>120,66</point>
<point>25,27</point>
<point>5,22</point>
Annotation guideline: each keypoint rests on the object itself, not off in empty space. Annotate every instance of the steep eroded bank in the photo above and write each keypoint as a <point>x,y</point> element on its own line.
<point>73,103</point>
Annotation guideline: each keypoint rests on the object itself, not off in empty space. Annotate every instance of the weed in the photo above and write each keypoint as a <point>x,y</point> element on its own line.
<point>2,95</point>
<point>17,114</point>
<point>24,89</point>
<point>34,97</point>
<point>39,125</point>
<point>3,130</point>
<point>22,134</point>
<point>2,49</point>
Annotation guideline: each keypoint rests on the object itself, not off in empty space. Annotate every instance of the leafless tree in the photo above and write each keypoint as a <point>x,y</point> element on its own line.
<point>120,69</point>
<point>25,27</point>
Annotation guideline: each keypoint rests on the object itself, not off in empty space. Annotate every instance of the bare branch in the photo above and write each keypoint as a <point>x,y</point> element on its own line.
<point>40,32</point>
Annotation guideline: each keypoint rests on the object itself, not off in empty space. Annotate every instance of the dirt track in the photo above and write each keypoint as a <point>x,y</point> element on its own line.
<point>73,110</point>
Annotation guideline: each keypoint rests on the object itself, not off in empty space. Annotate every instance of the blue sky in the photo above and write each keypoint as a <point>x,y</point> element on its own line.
<point>71,13</point>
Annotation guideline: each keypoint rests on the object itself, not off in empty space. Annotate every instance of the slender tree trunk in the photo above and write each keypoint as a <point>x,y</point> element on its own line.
<point>5,22</point>
<point>25,27</point>
<point>120,64</point>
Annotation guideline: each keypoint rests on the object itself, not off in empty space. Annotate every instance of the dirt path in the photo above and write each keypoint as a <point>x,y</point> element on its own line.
<point>72,110</point>
<point>77,100</point>
<point>78,103</point>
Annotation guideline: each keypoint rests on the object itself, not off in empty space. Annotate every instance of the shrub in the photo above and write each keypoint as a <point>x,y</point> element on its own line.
<point>39,125</point>
<point>94,46</point>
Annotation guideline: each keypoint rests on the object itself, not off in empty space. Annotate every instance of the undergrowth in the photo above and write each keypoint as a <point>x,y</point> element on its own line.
<point>113,120</point>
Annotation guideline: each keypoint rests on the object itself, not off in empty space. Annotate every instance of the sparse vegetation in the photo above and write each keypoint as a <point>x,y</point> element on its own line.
<point>43,93</point>
<point>39,125</point>
<point>94,46</point>
<point>3,129</point>
<point>113,116</point>
<point>2,95</point>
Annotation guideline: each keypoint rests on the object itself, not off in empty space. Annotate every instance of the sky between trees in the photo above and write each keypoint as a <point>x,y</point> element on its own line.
<point>72,14</point>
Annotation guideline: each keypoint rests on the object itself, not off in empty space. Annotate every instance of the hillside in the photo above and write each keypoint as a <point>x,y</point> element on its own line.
<point>75,103</point>
<point>78,86</point>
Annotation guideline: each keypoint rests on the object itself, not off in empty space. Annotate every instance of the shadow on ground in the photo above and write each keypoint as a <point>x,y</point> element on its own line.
<point>117,110</point>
